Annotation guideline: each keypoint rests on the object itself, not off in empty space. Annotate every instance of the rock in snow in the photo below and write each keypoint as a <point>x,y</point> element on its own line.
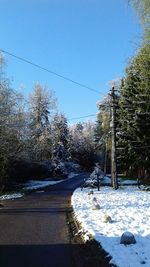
<point>94,199</point>
<point>91,192</point>
<point>106,218</point>
<point>127,238</point>
<point>95,206</point>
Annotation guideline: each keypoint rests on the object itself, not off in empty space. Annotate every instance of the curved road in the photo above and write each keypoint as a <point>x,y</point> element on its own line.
<point>33,229</point>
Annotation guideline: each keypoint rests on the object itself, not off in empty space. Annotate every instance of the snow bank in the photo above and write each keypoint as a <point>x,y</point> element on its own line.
<point>72,175</point>
<point>92,180</point>
<point>106,180</point>
<point>129,210</point>
<point>35,184</point>
<point>10,196</point>
<point>128,182</point>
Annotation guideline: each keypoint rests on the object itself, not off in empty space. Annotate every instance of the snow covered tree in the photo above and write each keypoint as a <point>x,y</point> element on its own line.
<point>89,143</point>
<point>60,138</point>
<point>76,141</point>
<point>102,133</point>
<point>42,103</point>
<point>12,122</point>
<point>134,114</point>
<point>142,8</point>
<point>82,146</point>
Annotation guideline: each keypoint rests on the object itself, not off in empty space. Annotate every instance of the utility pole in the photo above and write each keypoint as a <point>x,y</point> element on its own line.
<point>113,140</point>
<point>105,158</point>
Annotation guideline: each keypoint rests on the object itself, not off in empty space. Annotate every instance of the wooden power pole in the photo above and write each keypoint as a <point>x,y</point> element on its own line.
<point>105,158</point>
<point>113,140</point>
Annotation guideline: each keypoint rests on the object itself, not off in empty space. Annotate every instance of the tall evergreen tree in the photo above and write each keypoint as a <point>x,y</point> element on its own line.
<point>42,102</point>
<point>135,113</point>
<point>60,138</point>
<point>82,146</point>
<point>102,133</point>
<point>142,8</point>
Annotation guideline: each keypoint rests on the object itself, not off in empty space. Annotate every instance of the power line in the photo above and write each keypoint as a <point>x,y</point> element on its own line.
<point>77,118</point>
<point>52,72</point>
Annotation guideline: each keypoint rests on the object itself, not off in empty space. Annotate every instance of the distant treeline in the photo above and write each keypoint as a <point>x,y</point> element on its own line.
<point>35,137</point>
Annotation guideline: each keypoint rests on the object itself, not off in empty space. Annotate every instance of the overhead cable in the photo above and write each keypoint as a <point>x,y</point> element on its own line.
<point>52,72</point>
<point>87,116</point>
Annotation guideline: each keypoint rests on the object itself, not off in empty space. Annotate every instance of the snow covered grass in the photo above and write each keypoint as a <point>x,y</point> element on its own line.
<point>129,210</point>
<point>30,185</point>
<point>128,182</point>
<point>10,196</point>
<point>36,184</point>
<point>72,175</point>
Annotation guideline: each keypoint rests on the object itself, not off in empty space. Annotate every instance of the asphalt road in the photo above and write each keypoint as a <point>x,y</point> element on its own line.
<point>33,229</point>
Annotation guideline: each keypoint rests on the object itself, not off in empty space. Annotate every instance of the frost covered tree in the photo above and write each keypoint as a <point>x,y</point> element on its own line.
<point>88,134</point>
<point>76,141</point>
<point>82,146</point>
<point>60,138</point>
<point>142,8</point>
<point>12,123</point>
<point>134,114</point>
<point>42,103</point>
<point>102,133</point>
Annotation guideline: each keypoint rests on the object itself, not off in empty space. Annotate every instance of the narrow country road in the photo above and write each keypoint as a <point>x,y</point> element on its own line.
<point>33,229</point>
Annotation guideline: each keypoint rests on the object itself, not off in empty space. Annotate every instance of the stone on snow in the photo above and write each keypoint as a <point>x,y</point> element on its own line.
<point>127,238</point>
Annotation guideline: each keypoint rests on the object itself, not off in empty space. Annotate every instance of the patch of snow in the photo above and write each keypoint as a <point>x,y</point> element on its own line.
<point>92,180</point>
<point>128,234</point>
<point>11,196</point>
<point>128,182</point>
<point>35,184</point>
<point>72,175</point>
<point>106,180</point>
<point>129,210</point>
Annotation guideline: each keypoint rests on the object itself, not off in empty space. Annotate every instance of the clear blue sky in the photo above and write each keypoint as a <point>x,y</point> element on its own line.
<point>89,41</point>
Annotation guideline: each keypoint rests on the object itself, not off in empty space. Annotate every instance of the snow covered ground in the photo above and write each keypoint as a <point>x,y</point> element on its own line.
<point>105,180</point>
<point>129,210</point>
<point>10,196</point>
<point>36,184</point>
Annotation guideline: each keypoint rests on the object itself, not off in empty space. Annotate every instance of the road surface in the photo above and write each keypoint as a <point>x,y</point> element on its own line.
<point>33,229</point>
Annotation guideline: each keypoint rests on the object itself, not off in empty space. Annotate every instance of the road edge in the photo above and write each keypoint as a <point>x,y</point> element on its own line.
<point>85,253</point>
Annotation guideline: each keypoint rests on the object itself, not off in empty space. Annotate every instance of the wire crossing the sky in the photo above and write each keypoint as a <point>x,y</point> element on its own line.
<point>87,116</point>
<point>52,72</point>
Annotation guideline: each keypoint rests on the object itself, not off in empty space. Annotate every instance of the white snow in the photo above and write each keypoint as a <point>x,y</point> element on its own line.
<point>128,182</point>
<point>72,175</point>
<point>129,210</point>
<point>35,184</point>
<point>105,180</point>
<point>127,233</point>
<point>10,196</point>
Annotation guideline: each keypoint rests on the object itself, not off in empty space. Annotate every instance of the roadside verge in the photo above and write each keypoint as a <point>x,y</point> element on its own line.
<point>86,250</point>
